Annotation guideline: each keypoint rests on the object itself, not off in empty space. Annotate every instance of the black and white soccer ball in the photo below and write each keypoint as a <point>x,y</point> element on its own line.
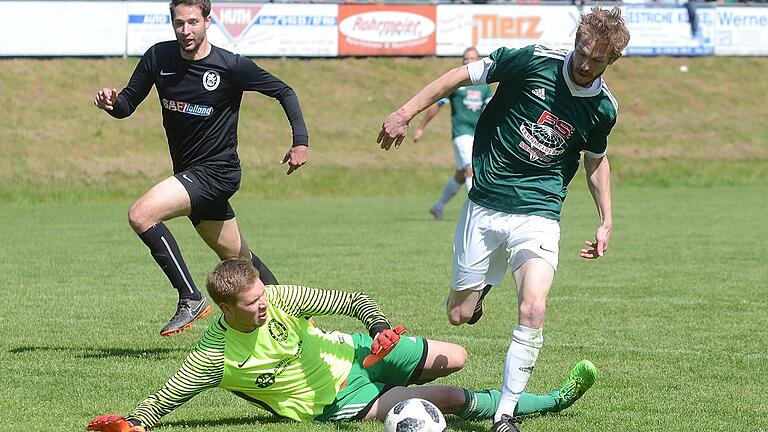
<point>414,415</point>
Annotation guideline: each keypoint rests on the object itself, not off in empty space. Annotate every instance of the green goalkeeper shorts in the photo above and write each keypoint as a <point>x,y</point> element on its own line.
<point>401,367</point>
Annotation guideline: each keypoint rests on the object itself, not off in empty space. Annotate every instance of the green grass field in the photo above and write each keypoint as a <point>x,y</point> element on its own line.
<point>674,316</point>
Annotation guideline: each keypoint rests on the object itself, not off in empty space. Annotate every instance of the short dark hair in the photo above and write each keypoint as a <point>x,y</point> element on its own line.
<point>229,278</point>
<point>204,5</point>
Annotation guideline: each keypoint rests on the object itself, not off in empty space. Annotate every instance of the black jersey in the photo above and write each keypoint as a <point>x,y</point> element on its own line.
<point>201,100</point>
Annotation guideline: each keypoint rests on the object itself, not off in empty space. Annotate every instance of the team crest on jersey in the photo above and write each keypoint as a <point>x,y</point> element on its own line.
<point>278,331</point>
<point>545,139</point>
<point>211,80</point>
<point>474,100</point>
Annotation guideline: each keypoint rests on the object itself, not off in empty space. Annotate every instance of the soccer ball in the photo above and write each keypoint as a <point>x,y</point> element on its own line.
<point>414,415</point>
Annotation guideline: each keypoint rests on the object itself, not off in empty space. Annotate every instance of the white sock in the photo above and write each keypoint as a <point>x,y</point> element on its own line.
<point>451,188</point>
<point>521,357</point>
<point>468,183</point>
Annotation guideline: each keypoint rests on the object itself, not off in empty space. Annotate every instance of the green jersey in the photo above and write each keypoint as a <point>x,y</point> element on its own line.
<point>529,139</point>
<point>466,105</point>
<point>287,366</point>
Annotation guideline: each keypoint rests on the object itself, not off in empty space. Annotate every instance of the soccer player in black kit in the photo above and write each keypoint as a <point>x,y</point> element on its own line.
<point>200,88</point>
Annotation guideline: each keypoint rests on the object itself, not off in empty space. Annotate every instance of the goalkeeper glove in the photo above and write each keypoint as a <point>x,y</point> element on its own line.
<point>383,343</point>
<point>113,423</point>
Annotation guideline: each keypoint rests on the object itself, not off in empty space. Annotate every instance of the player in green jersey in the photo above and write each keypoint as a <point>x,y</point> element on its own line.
<point>550,108</point>
<point>467,102</point>
<point>266,350</point>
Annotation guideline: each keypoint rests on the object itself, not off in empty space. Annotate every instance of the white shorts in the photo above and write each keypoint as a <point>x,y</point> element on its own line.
<point>462,151</point>
<point>489,241</point>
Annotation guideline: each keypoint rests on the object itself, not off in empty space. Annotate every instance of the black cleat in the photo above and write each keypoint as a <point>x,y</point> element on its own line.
<point>479,306</point>
<point>186,312</point>
<point>506,424</point>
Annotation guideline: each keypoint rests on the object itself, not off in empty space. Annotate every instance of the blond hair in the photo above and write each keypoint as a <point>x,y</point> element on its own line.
<point>605,26</point>
<point>229,278</point>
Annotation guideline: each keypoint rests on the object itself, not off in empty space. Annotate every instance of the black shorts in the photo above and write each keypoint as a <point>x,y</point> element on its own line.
<point>209,192</point>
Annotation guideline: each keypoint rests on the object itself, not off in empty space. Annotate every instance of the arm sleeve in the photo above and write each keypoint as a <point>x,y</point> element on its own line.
<point>597,140</point>
<point>253,78</point>
<point>202,369</point>
<point>137,89</point>
<point>305,302</point>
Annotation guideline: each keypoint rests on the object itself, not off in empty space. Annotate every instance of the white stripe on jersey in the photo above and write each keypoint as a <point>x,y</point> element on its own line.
<point>540,51</point>
<point>610,96</point>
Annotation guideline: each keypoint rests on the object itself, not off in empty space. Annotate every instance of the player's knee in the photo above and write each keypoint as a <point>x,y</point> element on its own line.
<point>456,317</point>
<point>532,313</point>
<point>459,357</point>
<point>138,219</point>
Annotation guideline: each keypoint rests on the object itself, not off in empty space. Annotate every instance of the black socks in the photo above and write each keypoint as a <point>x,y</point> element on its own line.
<point>166,253</point>
<point>265,274</point>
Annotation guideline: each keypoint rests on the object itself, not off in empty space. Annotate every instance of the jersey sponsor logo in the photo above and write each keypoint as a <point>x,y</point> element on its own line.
<point>211,80</point>
<point>266,379</point>
<point>235,19</point>
<point>539,93</point>
<point>187,108</point>
<point>474,100</point>
<point>545,139</point>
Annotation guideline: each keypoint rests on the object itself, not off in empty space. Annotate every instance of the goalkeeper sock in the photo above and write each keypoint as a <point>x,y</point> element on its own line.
<point>483,404</point>
<point>265,274</point>
<point>167,255</point>
<point>479,405</point>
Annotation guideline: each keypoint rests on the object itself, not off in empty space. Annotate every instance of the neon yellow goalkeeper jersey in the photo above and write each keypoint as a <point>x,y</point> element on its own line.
<point>287,366</point>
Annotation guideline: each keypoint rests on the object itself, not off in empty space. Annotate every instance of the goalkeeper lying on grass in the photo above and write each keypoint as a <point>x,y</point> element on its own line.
<point>265,349</point>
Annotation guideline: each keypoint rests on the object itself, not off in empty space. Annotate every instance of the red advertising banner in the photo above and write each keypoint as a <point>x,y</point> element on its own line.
<point>386,30</point>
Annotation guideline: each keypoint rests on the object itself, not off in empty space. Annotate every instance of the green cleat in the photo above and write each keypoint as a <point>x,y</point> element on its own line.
<point>581,378</point>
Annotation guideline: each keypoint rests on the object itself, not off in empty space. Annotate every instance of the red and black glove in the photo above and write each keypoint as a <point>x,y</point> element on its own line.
<point>113,423</point>
<point>383,343</point>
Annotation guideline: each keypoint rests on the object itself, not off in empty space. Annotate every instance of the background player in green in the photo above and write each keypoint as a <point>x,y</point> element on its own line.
<point>550,108</point>
<point>200,87</point>
<point>265,350</point>
<point>466,105</point>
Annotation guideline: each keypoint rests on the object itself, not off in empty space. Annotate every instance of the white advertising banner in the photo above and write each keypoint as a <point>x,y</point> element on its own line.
<point>89,28</point>
<point>267,29</point>
<point>742,31</point>
<point>256,29</point>
<point>666,31</point>
<point>489,27</point>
